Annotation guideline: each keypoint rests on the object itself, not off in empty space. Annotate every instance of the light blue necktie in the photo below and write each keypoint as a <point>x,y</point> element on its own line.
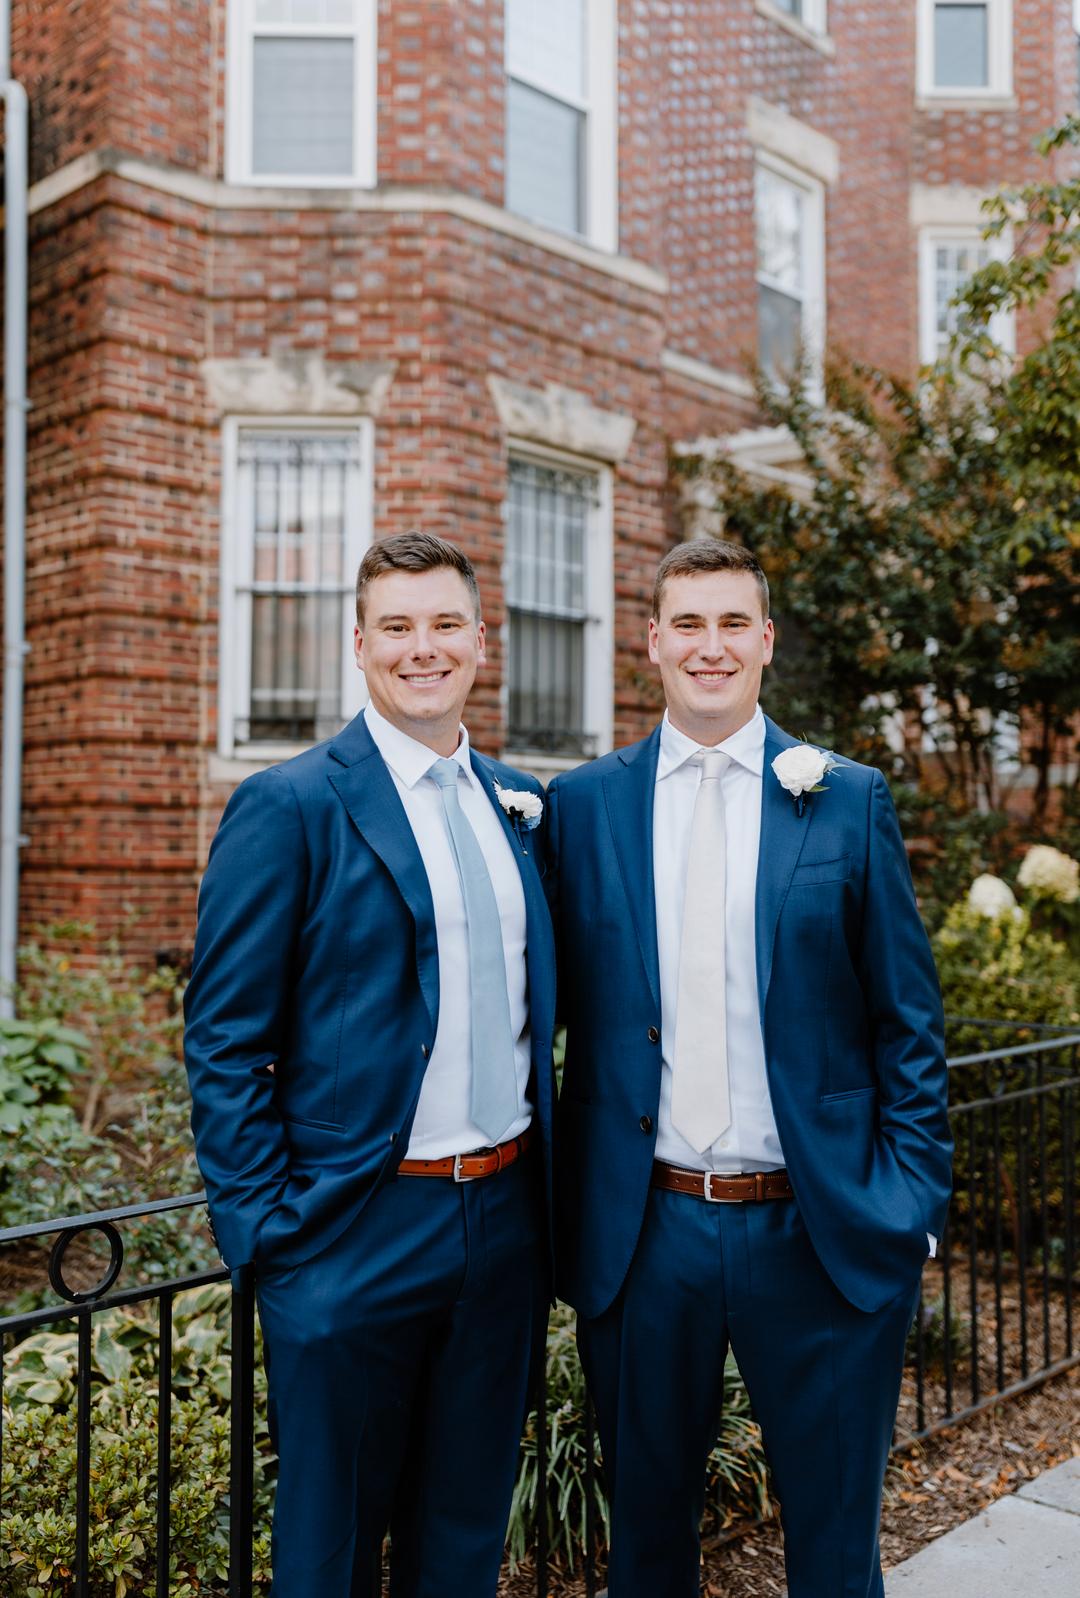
<point>493,1094</point>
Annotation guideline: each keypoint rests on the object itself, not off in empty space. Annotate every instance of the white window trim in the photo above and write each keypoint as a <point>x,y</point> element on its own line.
<point>813,323</point>
<point>234,620</point>
<point>999,58</point>
<point>812,28</point>
<point>1002,327</point>
<point>239,112</point>
<point>599,668</point>
<point>600,104</point>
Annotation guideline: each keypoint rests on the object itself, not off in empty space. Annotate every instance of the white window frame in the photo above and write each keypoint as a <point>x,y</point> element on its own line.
<point>999,86</point>
<point>814,303</point>
<point>239,96</point>
<point>814,17</point>
<point>1002,326</point>
<point>600,107</point>
<point>237,556</point>
<point>598,703</point>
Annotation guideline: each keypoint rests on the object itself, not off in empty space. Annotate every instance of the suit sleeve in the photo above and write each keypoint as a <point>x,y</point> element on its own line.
<point>904,1001</point>
<point>551,884</point>
<point>237,1005</point>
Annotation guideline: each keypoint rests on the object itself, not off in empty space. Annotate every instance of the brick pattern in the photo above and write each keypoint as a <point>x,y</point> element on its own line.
<point>133,288</point>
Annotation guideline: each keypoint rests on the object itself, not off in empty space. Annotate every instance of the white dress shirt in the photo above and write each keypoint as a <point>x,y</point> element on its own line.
<point>442,1125</point>
<point>751,1142</point>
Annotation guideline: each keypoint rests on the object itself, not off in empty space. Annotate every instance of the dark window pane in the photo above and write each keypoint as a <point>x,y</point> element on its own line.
<point>303,107</point>
<point>779,331</point>
<point>961,47</point>
<point>544,139</point>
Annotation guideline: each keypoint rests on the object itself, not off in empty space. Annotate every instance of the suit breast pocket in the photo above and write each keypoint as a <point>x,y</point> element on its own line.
<point>815,873</point>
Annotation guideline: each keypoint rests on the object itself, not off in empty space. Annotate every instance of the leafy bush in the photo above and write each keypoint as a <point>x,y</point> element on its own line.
<point>38,1060</point>
<point>1003,968</point>
<point>736,1470</point>
<point>38,1547</point>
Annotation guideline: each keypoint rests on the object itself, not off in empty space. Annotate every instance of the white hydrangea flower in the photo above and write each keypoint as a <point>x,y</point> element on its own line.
<point>990,896</point>
<point>1049,872</point>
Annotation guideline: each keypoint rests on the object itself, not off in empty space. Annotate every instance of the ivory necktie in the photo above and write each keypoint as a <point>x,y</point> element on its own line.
<point>700,1100</point>
<point>493,1096</point>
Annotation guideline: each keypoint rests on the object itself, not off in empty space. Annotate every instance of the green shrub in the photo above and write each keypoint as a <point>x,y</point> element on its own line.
<point>37,1549</point>
<point>1003,968</point>
<point>737,1483</point>
<point>38,1060</point>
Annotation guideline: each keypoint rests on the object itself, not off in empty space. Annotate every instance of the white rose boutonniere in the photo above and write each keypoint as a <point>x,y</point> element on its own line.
<point>800,769</point>
<point>523,808</point>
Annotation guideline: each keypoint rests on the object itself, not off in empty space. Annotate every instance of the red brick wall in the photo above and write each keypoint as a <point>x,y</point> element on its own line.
<point>133,288</point>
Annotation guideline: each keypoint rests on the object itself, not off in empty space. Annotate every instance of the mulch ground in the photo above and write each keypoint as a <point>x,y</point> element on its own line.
<point>931,1488</point>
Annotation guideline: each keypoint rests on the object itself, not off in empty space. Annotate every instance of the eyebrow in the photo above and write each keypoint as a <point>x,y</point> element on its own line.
<point>729,615</point>
<point>443,615</point>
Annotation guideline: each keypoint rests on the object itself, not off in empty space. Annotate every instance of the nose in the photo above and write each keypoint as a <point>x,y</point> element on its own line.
<point>424,645</point>
<point>713,644</point>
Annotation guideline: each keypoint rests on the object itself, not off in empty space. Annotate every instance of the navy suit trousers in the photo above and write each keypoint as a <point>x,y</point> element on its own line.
<point>823,1379</point>
<point>398,1363</point>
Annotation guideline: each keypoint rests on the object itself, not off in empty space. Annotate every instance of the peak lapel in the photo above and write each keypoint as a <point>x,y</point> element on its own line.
<point>783,833</point>
<point>628,793</point>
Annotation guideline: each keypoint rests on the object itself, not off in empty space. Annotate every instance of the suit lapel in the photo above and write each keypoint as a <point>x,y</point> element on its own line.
<point>629,789</point>
<point>783,832</point>
<point>367,791</point>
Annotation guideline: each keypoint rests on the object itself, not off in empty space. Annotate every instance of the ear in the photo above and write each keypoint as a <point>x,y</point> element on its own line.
<point>654,641</point>
<point>481,641</point>
<point>358,647</point>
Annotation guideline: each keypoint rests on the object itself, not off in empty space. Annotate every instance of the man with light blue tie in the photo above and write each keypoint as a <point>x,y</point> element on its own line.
<point>369,1026</point>
<point>753,1146</point>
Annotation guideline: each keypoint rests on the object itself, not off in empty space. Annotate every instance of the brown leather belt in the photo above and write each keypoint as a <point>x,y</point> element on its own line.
<point>469,1167</point>
<point>749,1188</point>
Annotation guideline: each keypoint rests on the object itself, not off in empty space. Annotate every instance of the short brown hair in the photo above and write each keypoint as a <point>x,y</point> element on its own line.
<point>708,555</point>
<point>413,551</point>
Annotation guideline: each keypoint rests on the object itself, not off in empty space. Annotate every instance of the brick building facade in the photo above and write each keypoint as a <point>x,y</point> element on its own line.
<point>308,272</point>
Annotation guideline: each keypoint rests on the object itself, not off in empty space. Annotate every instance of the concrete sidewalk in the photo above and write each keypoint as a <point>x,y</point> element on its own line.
<point>1026,1545</point>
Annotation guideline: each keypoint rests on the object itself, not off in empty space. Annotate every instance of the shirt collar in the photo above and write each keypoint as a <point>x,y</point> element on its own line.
<point>407,758</point>
<point>746,747</point>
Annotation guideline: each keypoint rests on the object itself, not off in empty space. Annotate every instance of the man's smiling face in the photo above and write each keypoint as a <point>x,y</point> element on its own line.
<point>419,649</point>
<point>711,643</point>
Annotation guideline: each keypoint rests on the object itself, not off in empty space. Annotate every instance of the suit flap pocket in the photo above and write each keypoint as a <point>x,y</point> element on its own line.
<point>810,872</point>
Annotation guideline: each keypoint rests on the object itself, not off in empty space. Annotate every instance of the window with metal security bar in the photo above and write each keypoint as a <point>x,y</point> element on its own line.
<point>555,658</point>
<point>302,91</point>
<point>300,524</point>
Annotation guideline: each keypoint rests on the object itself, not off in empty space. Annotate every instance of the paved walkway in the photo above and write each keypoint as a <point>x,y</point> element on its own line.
<point>1025,1546</point>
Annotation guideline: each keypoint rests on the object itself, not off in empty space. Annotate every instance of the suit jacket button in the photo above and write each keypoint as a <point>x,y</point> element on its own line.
<point>654,1034</point>
<point>646,1123</point>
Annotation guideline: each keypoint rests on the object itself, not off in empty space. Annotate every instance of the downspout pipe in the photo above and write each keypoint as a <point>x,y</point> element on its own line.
<point>16,169</point>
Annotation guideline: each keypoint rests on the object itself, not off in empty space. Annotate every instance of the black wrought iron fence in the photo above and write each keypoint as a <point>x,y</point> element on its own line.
<point>996,1315</point>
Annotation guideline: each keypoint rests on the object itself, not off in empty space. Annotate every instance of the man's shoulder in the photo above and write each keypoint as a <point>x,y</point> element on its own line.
<point>593,772</point>
<point>298,777</point>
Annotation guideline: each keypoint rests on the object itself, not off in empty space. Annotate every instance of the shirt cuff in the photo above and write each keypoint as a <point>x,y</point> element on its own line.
<point>932,1240</point>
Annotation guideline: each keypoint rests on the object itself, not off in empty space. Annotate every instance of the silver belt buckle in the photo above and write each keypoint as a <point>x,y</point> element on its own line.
<point>458,1174</point>
<point>710,1196</point>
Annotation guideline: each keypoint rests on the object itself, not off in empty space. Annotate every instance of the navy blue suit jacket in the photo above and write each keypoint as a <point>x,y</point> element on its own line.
<point>316,954</point>
<point>850,1014</point>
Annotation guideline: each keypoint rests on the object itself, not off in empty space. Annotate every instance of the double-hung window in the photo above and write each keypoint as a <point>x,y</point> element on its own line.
<point>560,115</point>
<point>297,518</point>
<point>558,597</point>
<point>947,259</point>
<point>789,215</point>
<point>301,92</point>
<point>965,48</point>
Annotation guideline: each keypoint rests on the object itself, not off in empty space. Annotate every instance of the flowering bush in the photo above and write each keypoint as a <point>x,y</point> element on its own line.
<point>991,896</point>
<point>1002,967</point>
<point>1048,874</point>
